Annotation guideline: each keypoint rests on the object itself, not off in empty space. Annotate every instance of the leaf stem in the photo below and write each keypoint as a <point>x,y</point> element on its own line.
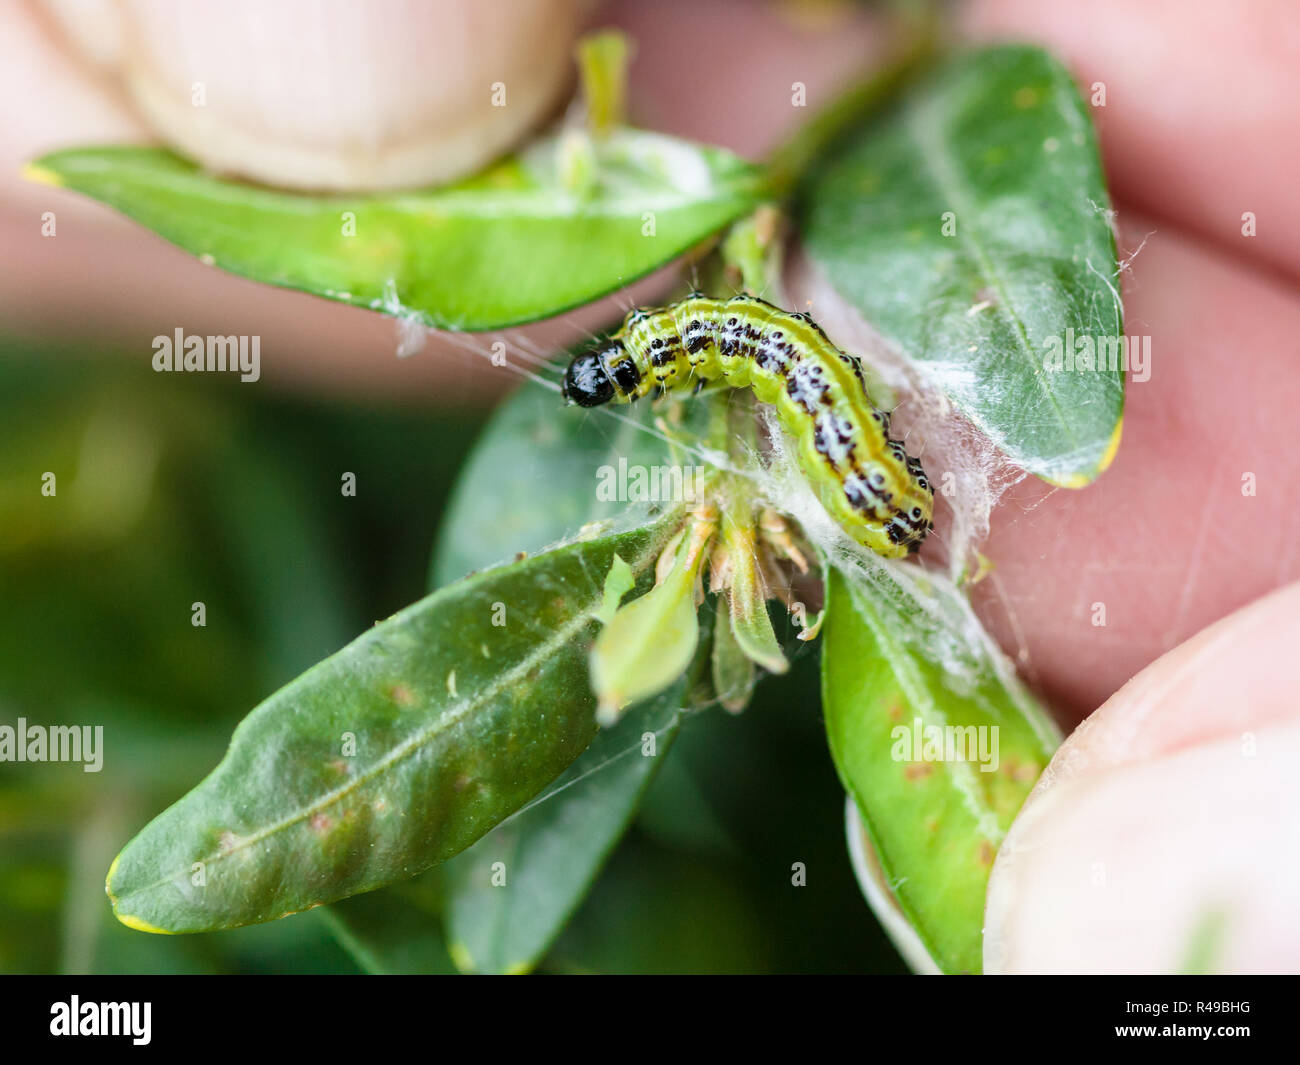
<point>602,64</point>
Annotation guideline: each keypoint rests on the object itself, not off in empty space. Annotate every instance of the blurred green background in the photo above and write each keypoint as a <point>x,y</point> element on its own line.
<point>175,489</point>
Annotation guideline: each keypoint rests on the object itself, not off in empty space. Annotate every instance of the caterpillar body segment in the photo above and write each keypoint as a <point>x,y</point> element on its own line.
<point>866,480</point>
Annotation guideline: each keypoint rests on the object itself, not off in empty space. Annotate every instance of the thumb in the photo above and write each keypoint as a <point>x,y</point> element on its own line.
<point>331,94</point>
<point>1163,835</point>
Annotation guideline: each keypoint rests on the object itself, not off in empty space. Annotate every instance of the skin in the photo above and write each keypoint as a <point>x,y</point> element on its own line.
<point>1203,101</point>
<point>1172,813</point>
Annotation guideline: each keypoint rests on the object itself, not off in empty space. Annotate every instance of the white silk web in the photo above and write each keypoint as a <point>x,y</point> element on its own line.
<point>968,471</point>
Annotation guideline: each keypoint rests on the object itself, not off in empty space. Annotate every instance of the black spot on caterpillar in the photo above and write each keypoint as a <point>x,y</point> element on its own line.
<point>878,494</point>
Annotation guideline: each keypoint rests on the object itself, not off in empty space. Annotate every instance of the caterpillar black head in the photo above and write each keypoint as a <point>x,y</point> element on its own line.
<point>587,381</point>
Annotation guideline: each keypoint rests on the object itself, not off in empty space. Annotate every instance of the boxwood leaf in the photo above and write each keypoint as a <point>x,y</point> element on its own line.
<point>970,225</point>
<point>510,245</point>
<point>512,892</point>
<point>394,754</point>
<point>393,932</point>
<point>751,627</point>
<point>732,670</point>
<point>555,848</point>
<point>904,665</point>
<point>586,460</point>
<point>649,642</point>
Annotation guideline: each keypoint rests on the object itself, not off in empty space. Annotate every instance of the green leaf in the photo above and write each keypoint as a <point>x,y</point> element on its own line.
<point>618,582</point>
<point>732,670</point>
<point>393,932</point>
<point>512,892</point>
<point>509,245</point>
<point>650,641</point>
<point>995,148</point>
<point>902,654</point>
<point>497,509</point>
<point>455,722</point>
<point>751,627</point>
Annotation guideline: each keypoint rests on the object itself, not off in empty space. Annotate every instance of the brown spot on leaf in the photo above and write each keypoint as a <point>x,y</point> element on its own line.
<point>918,771</point>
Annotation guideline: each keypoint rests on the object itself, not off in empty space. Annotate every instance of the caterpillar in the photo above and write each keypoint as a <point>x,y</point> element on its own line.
<point>877,493</point>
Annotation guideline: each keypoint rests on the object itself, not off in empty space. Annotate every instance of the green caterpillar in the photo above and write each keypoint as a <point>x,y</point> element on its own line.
<point>879,495</point>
